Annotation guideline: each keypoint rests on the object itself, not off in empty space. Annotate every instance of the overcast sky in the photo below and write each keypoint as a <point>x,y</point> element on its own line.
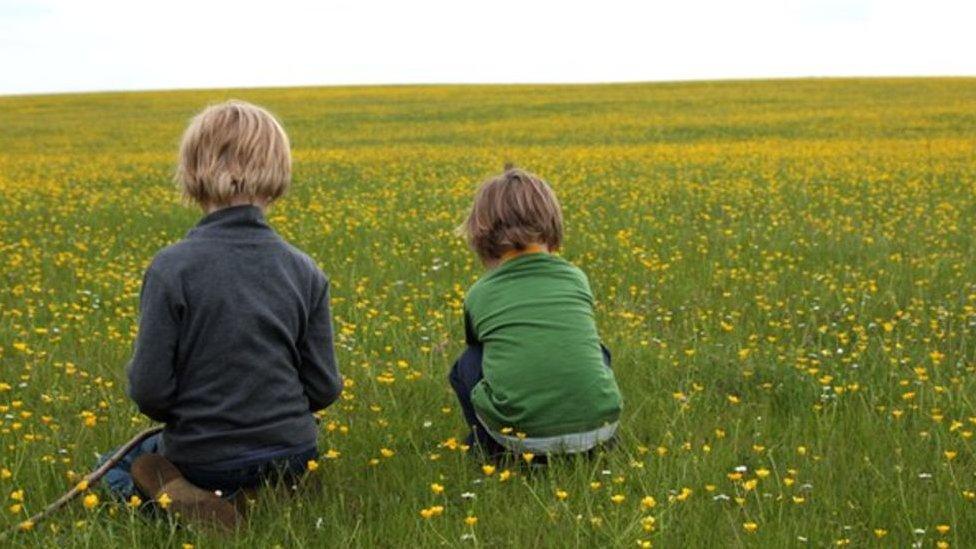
<point>70,45</point>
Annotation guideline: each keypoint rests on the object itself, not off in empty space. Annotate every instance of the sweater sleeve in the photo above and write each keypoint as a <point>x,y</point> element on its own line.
<point>318,371</point>
<point>152,370</point>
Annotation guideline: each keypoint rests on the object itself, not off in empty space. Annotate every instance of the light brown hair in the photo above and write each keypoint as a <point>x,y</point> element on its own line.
<point>231,151</point>
<point>510,212</point>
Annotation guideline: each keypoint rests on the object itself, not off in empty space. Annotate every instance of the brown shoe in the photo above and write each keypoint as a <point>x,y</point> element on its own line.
<point>155,476</point>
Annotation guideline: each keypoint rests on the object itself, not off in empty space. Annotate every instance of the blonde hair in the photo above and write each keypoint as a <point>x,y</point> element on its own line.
<point>511,212</point>
<point>234,150</point>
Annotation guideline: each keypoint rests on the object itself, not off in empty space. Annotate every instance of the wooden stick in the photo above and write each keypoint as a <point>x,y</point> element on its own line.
<point>87,482</point>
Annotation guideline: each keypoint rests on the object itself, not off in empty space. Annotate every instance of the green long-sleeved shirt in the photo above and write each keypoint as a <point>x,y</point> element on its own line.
<point>544,373</point>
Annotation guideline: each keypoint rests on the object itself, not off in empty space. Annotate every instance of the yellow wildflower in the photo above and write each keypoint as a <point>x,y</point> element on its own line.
<point>90,501</point>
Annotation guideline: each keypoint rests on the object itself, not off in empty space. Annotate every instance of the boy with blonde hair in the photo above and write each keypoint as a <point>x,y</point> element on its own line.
<point>234,352</point>
<point>535,378</point>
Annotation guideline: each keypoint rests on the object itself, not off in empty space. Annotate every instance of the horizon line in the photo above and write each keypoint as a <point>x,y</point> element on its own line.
<point>690,80</point>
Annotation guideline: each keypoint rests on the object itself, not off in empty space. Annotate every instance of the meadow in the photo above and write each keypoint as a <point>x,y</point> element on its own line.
<point>784,271</point>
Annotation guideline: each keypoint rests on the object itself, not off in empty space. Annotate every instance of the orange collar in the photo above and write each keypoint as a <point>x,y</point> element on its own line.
<point>530,249</point>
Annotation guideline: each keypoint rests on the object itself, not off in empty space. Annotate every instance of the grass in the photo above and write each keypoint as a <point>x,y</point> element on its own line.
<point>784,272</point>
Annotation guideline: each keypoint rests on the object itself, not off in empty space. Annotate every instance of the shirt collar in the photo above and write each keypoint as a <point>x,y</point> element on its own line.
<point>243,221</point>
<point>530,249</point>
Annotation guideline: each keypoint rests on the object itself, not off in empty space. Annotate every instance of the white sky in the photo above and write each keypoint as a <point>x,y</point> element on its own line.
<point>69,45</point>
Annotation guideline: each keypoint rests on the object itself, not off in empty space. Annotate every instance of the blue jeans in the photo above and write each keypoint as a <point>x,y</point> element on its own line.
<point>228,480</point>
<point>465,374</point>
<point>117,479</point>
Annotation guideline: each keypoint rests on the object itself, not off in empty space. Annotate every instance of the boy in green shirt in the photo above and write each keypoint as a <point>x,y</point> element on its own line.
<point>535,377</point>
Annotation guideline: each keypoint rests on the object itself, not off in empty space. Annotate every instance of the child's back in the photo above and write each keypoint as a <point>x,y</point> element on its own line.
<point>543,366</point>
<point>234,350</point>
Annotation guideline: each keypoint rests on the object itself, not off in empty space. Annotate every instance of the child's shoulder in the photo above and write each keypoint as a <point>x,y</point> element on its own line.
<point>301,258</point>
<point>565,264</point>
<point>474,289</point>
<point>170,258</point>
<point>307,268</point>
<point>579,272</point>
<point>552,265</point>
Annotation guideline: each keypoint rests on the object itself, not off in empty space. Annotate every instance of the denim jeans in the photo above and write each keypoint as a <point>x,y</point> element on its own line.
<point>465,374</point>
<point>228,480</point>
<point>117,479</point>
<point>253,475</point>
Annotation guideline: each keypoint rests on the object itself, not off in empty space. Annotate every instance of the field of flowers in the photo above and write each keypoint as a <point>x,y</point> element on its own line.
<point>784,271</point>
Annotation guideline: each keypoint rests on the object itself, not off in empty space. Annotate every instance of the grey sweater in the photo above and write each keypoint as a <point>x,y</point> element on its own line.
<point>235,349</point>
